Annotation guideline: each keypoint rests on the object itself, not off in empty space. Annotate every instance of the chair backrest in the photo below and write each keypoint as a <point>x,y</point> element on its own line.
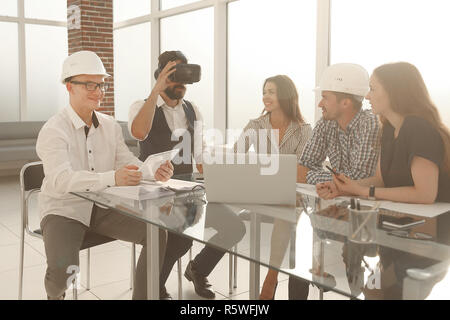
<point>31,176</point>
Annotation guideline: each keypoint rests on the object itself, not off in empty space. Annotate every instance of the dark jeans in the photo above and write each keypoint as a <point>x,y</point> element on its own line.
<point>298,288</point>
<point>230,230</point>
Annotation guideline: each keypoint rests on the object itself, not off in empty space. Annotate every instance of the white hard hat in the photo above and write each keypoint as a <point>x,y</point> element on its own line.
<point>346,78</point>
<point>82,62</point>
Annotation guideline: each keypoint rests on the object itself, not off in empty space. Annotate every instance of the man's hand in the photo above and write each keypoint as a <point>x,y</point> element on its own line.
<point>163,79</point>
<point>327,190</point>
<point>164,172</point>
<point>128,176</point>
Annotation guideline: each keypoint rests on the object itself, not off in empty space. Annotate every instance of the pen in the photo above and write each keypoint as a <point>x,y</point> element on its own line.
<point>334,173</point>
<point>352,203</point>
<point>365,227</point>
<point>358,207</point>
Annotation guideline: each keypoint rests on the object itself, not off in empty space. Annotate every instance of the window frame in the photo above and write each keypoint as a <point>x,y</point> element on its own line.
<point>221,45</point>
<point>21,23</point>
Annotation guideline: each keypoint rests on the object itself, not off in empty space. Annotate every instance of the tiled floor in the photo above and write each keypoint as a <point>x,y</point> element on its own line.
<point>110,263</point>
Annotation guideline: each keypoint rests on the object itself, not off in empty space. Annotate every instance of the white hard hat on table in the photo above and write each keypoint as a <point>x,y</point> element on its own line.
<point>346,78</point>
<point>82,62</point>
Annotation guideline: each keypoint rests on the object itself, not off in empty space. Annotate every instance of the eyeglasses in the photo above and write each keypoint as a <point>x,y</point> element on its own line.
<point>92,86</point>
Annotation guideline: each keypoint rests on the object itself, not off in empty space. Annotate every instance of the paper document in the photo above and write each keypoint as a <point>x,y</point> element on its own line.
<point>140,192</point>
<point>422,210</point>
<point>154,161</point>
<point>181,185</point>
<point>173,184</point>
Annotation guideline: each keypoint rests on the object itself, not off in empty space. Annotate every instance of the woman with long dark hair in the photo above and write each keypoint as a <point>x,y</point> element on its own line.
<point>414,165</point>
<point>282,113</point>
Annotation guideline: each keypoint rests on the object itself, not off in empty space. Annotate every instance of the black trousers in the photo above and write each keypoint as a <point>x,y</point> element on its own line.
<point>230,230</point>
<point>298,288</point>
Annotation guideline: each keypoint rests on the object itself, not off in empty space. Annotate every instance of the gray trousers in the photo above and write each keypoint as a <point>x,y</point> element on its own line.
<point>63,239</point>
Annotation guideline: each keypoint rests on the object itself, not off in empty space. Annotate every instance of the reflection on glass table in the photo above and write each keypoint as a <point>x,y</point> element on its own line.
<point>311,242</point>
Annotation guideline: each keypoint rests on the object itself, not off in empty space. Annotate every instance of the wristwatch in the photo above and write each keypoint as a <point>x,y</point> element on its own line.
<point>372,192</point>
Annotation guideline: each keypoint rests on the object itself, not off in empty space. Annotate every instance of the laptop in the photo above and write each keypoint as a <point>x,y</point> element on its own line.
<point>252,183</point>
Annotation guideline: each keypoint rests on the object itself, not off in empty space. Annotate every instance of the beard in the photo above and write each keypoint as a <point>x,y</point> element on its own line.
<point>173,94</point>
<point>328,116</point>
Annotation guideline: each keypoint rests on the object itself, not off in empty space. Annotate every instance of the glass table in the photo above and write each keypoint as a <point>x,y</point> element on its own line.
<point>312,242</point>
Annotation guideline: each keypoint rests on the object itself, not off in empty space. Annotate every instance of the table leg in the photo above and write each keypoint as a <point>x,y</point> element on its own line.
<point>152,262</point>
<point>152,254</point>
<point>321,265</point>
<point>255,242</point>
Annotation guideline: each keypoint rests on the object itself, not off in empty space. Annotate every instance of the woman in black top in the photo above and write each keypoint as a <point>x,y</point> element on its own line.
<point>414,165</point>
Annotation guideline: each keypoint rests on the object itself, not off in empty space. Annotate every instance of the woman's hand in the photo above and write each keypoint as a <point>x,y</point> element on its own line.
<point>347,186</point>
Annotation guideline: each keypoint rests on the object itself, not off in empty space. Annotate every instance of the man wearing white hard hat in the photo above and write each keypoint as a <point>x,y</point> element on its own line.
<point>346,135</point>
<point>84,150</point>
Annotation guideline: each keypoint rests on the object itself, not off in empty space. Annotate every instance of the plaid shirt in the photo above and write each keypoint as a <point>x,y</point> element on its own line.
<point>353,153</point>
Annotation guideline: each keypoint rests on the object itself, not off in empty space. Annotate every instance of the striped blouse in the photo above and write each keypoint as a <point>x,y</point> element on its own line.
<point>293,142</point>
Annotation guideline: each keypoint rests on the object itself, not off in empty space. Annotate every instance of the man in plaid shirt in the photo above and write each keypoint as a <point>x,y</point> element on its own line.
<point>346,134</point>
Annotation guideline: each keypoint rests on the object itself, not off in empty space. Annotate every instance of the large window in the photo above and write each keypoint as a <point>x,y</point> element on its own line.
<point>46,51</point>
<point>168,4</point>
<point>238,43</point>
<point>132,44</point>
<point>372,33</point>
<point>132,73</point>
<point>193,34</point>
<point>9,77</point>
<point>8,8</point>
<point>46,9</point>
<point>34,46</point>
<point>126,9</point>
<point>280,38</point>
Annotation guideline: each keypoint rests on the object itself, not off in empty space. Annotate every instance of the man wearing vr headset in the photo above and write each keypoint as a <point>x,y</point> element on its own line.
<point>153,122</point>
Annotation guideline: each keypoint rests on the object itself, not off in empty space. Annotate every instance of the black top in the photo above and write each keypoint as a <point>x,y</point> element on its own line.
<point>159,138</point>
<point>416,138</point>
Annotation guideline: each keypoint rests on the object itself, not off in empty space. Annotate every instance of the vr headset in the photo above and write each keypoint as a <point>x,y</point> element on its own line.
<point>185,73</point>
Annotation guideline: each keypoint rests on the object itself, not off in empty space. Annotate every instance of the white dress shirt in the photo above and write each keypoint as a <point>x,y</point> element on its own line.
<point>175,117</point>
<point>74,162</point>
